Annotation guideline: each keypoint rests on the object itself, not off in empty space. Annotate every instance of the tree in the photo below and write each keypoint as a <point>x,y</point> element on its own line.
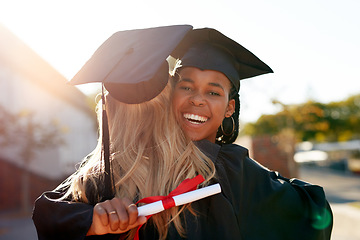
<point>312,121</point>
<point>21,130</point>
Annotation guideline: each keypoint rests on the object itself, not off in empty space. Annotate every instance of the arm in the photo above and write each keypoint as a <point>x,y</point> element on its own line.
<point>55,219</point>
<point>290,208</point>
<point>262,199</point>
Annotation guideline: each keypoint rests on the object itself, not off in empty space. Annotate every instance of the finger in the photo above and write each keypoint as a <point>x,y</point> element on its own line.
<point>102,214</point>
<point>132,210</point>
<point>113,220</point>
<point>133,213</point>
<point>122,214</point>
<point>111,215</point>
<point>114,211</point>
<point>140,221</point>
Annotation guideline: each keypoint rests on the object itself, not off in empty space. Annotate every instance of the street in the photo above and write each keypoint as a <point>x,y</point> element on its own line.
<point>342,191</point>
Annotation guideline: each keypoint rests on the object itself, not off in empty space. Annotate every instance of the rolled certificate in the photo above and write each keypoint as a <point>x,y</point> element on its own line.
<point>156,207</point>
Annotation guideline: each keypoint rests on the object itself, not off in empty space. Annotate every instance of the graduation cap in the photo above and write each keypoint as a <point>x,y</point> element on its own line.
<point>209,49</point>
<point>132,66</point>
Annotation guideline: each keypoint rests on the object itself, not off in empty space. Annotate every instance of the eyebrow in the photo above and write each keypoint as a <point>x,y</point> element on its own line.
<point>217,85</point>
<point>186,80</point>
<point>211,83</point>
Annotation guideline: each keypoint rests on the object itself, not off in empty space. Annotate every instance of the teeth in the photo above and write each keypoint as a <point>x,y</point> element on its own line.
<point>195,118</point>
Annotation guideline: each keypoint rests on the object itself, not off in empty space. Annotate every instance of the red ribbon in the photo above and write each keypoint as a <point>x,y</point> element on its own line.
<point>168,201</point>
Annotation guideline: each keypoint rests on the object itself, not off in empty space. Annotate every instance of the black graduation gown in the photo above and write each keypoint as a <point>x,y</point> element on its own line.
<point>255,203</point>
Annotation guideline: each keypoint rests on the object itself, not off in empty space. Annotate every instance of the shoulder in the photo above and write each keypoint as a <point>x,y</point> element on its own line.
<point>237,158</point>
<point>230,157</point>
<point>234,163</point>
<point>233,150</point>
<point>226,151</point>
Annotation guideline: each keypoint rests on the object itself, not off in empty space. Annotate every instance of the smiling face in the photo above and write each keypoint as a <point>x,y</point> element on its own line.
<point>201,101</point>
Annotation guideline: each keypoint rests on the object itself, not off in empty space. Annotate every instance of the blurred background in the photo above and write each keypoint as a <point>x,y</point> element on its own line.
<point>303,120</point>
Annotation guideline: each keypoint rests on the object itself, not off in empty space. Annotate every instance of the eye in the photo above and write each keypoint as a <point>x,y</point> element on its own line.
<point>214,93</point>
<point>185,88</point>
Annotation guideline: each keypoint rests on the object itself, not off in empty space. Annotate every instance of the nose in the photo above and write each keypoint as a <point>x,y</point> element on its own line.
<point>197,100</point>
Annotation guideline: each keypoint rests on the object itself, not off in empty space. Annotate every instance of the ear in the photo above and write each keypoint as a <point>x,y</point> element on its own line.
<point>230,109</point>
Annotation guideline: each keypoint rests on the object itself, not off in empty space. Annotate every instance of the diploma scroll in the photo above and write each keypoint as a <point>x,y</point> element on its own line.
<point>156,207</point>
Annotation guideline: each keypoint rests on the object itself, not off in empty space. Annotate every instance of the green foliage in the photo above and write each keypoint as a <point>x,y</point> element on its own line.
<point>313,121</point>
<point>20,129</point>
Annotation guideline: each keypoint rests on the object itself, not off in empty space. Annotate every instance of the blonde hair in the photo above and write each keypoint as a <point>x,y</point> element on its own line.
<point>150,156</point>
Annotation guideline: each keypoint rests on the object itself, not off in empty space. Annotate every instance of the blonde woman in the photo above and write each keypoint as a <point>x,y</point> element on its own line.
<point>150,157</point>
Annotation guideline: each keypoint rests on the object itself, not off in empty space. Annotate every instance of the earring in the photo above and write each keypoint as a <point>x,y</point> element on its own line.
<point>233,127</point>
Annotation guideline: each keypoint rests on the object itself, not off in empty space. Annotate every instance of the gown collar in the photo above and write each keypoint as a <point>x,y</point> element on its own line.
<point>211,150</point>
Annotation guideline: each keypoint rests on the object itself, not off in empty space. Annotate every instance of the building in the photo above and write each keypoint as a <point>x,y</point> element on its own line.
<point>31,88</point>
<point>274,152</point>
<point>337,155</point>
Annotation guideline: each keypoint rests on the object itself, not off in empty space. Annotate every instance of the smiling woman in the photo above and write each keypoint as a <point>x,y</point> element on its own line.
<point>212,66</point>
<point>201,101</point>
<point>205,97</point>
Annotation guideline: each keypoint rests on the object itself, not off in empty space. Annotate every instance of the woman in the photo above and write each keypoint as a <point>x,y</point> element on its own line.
<point>263,205</point>
<point>144,163</point>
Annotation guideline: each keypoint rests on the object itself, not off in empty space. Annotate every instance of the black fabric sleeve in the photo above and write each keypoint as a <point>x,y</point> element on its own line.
<point>57,219</point>
<point>269,206</point>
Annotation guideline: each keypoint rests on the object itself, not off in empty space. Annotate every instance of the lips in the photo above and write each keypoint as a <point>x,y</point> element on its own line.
<point>195,119</point>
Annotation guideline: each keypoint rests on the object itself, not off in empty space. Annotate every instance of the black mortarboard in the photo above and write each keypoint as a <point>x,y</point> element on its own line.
<point>132,64</point>
<point>208,49</point>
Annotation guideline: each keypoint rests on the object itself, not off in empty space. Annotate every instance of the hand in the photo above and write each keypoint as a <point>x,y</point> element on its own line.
<point>115,216</point>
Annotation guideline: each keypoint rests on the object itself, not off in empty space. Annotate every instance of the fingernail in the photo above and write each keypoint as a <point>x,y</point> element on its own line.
<point>143,220</point>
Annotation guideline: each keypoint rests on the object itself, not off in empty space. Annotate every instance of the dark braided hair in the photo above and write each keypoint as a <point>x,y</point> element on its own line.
<point>227,123</point>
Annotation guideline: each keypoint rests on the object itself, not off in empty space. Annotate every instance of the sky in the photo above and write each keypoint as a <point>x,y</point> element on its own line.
<point>312,45</point>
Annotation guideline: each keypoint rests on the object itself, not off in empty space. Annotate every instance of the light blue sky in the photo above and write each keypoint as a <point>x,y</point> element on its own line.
<point>312,45</point>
